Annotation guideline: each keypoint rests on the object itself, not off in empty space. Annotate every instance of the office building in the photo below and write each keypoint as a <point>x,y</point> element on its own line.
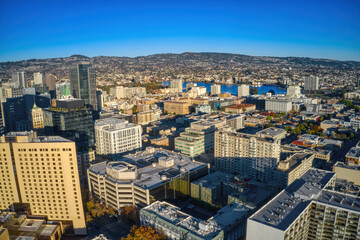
<point>203,109</point>
<point>19,78</point>
<point>227,224</point>
<point>120,92</point>
<point>215,89</point>
<point>115,136</point>
<point>83,83</point>
<point>50,81</point>
<point>352,158</point>
<point>144,118</point>
<point>43,172</point>
<point>63,90</point>
<point>243,91</point>
<point>177,107</point>
<point>17,111</point>
<point>308,209</point>
<point>240,108</point>
<point>248,154</point>
<point>37,117</point>
<point>311,83</point>
<point>177,84</point>
<point>38,78</point>
<point>293,91</point>
<point>278,105</point>
<point>199,138</point>
<point>144,177</point>
<point>70,118</point>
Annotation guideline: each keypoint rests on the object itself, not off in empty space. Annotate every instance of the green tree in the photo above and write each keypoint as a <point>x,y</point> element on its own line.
<point>268,117</point>
<point>254,91</point>
<point>134,109</point>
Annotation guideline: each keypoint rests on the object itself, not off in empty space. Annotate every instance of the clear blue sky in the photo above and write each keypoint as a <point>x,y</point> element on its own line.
<point>60,28</point>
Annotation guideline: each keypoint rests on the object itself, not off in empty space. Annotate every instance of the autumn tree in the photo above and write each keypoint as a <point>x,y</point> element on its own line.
<point>131,212</point>
<point>97,209</point>
<point>142,233</point>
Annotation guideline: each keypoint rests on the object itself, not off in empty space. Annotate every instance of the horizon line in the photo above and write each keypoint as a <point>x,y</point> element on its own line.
<point>315,58</point>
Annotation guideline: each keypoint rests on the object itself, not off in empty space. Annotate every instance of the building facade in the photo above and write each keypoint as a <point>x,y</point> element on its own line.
<point>83,83</point>
<point>243,91</point>
<point>215,89</point>
<point>311,83</point>
<point>144,177</point>
<point>115,136</point>
<point>43,172</point>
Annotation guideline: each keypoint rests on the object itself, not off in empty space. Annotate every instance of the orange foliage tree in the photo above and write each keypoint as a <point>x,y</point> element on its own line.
<point>144,233</point>
<point>131,213</point>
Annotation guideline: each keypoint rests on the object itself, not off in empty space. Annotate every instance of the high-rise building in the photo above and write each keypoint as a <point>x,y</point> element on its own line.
<point>275,104</point>
<point>63,90</point>
<point>83,83</point>
<point>38,78</point>
<point>19,78</point>
<point>17,111</point>
<point>70,118</point>
<point>50,81</point>
<point>243,91</point>
<point>293,91</point>
<point>2,128</point>
<point>311,83</point>
<point>115,136</point>
<point>43,172</point>
<point>37,117</point>
<point>178,84</point>
<point>255,155</point>
<point>215,89</point>
<point>309,208</point>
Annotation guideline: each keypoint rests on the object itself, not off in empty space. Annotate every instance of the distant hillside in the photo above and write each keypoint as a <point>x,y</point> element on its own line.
<point>172,62</point>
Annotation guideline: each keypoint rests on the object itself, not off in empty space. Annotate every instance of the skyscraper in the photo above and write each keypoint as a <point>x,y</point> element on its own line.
<point>19,78</point>
<point>83,83</point>
<point>43,172</point>
<point>38,78</point>
<point>311,83</point>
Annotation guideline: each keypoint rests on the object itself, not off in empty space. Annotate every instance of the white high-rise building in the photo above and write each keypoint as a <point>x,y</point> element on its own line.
<point>243,91</point>
<point>215,89</point>
<point>178,84</point>
<point>19,78</point>
<point>293,91</point>
<point>38,78</point>
<point>114,135</point>
<point>311,83</point>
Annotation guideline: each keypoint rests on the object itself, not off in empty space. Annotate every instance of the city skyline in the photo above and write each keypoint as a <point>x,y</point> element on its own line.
<point>319,30</point>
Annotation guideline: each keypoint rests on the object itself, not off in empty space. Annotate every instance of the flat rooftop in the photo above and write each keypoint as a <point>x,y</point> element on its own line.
<point>283,209</point>
<point>271,132</point>
<point>150,173</point>
<point>354,152</point>
<point>214,179</point>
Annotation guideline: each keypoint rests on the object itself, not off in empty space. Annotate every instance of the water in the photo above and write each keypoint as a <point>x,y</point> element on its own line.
<point>233,89</point>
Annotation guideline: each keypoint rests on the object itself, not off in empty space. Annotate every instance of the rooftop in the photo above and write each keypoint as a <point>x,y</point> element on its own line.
<point>214,179</point>
<point>151,167</point>
<point>354,152</point>
<point>283,209</point>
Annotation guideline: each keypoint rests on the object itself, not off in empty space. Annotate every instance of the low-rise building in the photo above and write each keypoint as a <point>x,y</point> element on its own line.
<point>144,177</point>
<point>240,108</point>
<point>352,158</point>
<point>349,173</point>
<point>20,226</point>
<point>228,223</point>
<point>177,107</point>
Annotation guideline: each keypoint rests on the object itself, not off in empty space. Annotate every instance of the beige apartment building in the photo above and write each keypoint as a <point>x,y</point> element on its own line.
<point>177,107</point>
<point>43,172</point>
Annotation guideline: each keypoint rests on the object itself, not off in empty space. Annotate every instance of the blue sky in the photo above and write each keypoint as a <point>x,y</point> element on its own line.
<point>60,28</point>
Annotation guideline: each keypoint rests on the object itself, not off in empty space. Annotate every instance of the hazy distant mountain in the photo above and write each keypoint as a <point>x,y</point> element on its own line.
<point>169,62</point>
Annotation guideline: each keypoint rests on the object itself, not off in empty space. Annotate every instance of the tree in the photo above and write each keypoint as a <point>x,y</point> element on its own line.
<point>134,109</point>
<point>144,233</point>
<point>96,209</point>
<point>268,118</point>
<point>131,213</point>
<point>254,91</point>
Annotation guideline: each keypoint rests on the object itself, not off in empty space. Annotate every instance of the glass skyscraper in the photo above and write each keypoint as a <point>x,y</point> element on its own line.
<point>83,83</point>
